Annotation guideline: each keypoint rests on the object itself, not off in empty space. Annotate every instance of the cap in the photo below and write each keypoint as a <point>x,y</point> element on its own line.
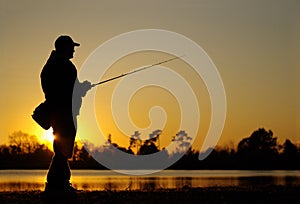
<point>63,41</point>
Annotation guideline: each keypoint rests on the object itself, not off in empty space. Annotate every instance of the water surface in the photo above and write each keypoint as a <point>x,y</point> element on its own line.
<point>22,180</point>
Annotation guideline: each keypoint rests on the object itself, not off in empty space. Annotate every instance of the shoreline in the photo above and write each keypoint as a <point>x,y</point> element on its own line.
<point>229,194</point>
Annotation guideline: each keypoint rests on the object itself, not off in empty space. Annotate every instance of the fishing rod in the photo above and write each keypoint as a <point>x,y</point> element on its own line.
<point>137,70</point>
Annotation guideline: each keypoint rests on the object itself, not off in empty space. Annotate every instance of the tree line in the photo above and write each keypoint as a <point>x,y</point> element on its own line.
<point>260,150</point>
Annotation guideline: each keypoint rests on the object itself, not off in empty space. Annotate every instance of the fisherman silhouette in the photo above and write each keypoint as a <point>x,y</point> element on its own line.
<point>58,77</point>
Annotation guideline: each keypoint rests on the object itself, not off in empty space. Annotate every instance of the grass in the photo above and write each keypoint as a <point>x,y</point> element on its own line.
<point>267,194</point>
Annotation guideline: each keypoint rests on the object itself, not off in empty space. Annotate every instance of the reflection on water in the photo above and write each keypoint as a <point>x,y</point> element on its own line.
<point>20,180</point>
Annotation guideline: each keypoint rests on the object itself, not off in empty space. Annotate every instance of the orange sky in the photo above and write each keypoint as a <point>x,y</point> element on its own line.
<point>254,45</point>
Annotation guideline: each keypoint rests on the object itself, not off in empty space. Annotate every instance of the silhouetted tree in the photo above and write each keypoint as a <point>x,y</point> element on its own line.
<point>259,150</point>
<point>82,159</point>
<point>290,156</point>
<point>182,140</point>
<point>22,143</point>
<point>76,152</point>
<point>24,151</point>
<point>150,146</point>
<point>220,158</point>
<point>289,149</point>
<point>155,137</point>
<point>135,141</point>
<point>260,141</point>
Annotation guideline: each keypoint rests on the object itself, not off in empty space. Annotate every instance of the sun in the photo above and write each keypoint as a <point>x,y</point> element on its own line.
<point>48,136</point>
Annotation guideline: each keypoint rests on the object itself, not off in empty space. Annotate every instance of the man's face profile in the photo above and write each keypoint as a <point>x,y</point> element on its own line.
<point>66,51</point>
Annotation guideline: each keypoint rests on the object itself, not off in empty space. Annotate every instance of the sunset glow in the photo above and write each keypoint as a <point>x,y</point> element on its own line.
<point>255,51</point>
<point>47,138</point>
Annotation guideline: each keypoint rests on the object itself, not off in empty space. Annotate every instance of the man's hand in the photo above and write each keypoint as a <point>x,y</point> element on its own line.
<point>85,87</point>
<point>81,90</point>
